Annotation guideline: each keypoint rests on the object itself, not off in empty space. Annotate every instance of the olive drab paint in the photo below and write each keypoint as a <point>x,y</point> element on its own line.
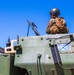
<point>39,55</point>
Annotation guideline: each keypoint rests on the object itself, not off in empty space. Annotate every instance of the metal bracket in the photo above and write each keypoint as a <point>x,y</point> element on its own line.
<point>11,47</point>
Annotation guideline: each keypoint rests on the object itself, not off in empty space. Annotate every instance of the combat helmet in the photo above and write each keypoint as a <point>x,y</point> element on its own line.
<point>55,12</point>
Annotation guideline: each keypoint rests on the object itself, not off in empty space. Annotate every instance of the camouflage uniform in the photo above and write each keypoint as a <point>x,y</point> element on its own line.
<point>57,26</point>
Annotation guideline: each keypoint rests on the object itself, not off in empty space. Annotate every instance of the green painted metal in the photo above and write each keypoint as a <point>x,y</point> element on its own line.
<point>4,64</point>
<point>35,45</point>
<point>39,56</point>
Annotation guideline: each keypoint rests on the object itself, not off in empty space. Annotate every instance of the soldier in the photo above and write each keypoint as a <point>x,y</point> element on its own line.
<point>56,25</point>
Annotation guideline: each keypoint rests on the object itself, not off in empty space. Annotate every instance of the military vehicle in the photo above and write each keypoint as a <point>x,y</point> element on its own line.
<point>39,55</point>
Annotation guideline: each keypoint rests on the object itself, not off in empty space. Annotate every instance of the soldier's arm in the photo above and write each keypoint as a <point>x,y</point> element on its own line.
<point>48,30</point>
<point>64,22</point>
<point>50,24</point>
<point>65,25</point>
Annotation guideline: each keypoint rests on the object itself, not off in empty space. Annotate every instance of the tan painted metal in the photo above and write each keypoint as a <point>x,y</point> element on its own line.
<point>11,47</point>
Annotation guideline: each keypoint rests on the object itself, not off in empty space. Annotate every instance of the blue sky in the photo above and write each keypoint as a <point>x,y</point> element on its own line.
<point>13,15</point>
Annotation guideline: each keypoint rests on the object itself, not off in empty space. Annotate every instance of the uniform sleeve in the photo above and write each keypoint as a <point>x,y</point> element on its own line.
<point>64,22</point>
<point>48,29</point>
<point>50,24</point>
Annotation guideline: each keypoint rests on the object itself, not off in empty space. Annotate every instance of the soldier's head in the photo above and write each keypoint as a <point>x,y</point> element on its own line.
<point>54,13</point>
